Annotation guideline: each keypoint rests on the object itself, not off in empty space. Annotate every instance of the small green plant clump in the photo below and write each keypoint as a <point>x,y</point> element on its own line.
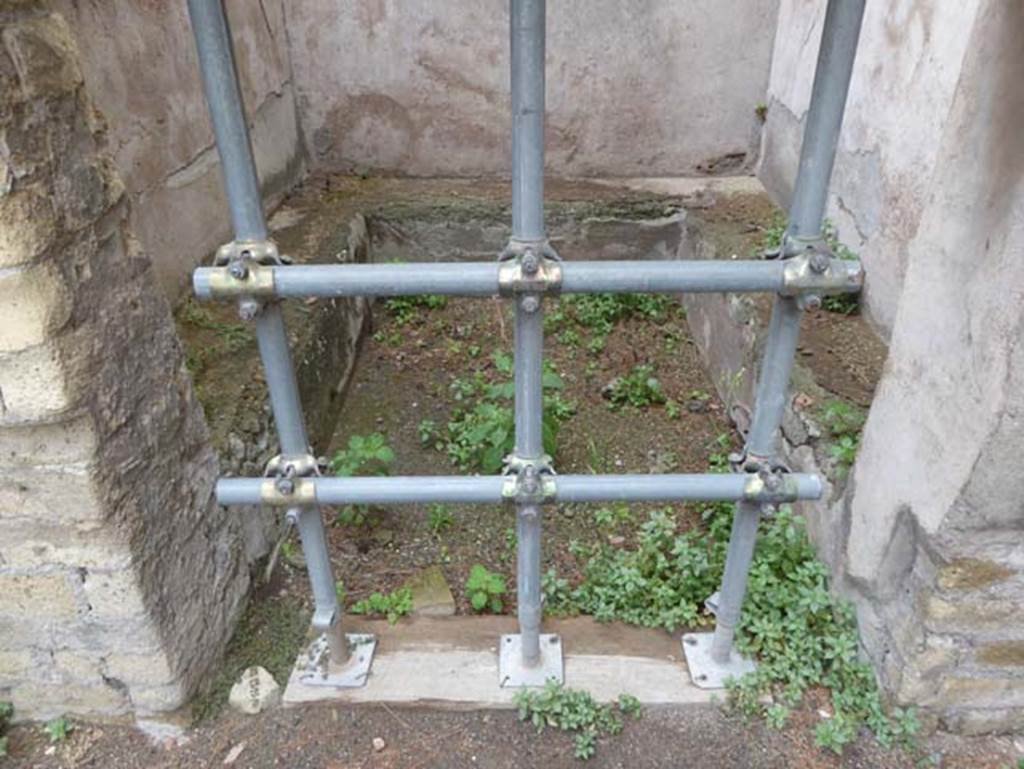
<point>365,455</point>
<point>404,308</point>
<point>58,729</point>
<point>393,605</point>
<point>598,314</point>
<point>481,433</point>
<point>6,714</point>
<point>639,389</point>
<point>844,423</point>
<point>439,519</point>
<point>485,589</point>
<point>573,710</point>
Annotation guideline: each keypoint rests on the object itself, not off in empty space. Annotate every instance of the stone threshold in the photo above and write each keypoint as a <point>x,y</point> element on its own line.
<point>452,663</point>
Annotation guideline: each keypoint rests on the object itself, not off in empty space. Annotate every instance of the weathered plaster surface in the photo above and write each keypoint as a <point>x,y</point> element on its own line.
<point>139,65</point>
<point>636,88</point>
<point>907,69</point>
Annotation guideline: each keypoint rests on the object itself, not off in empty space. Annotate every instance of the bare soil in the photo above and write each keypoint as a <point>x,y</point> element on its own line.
<point>333,737</point>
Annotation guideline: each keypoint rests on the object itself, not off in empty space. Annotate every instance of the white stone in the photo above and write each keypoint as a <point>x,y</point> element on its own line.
<point>379,744</point>
<point>255,692</point>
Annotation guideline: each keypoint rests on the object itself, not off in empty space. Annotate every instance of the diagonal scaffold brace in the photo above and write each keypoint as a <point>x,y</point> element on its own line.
<point>713,658</point>
<point>334,659</point>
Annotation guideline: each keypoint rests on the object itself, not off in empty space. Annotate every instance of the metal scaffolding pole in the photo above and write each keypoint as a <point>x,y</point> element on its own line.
<point>490,278</point>
<point>212,33</point>
<point>711,663</point>
<point>528,658</point>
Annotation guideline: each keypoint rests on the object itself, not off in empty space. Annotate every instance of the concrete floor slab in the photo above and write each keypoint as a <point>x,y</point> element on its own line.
<point>453,663</point>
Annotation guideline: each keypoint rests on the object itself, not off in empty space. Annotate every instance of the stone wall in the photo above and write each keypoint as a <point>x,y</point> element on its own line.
<point>637,88</point>
<point>139,64</point>
<point>119,578</point>
<point>927,538</point>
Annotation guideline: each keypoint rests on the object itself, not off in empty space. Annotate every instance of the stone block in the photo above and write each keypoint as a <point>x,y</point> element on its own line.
<point>158,699</point>
<point>968,690</point>
<point>255,691</point>
<point>145,670</point>
<point>48,699</point>
<point>1001,654</point>
<point>60,494</point>
<point>431,596</point>
<point>33,386</point>
<point>112,595</point>
<point>57,443</point>
<point>37,596</point>
<point>27,225</point>
<point>34,302</point>
<point>942,616</point>
<point>972,574</point>
<point>975,721</point>
<point>44,56</point>
<point>27,543</point>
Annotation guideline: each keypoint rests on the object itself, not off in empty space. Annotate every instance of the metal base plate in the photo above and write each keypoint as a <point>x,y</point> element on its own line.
<point>705,672</point>
<point>314,666</point>
<point>512,672</point>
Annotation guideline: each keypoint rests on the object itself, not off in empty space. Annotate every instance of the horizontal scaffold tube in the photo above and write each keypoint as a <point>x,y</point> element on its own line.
<point>708,487</point>
<point>481,278</point>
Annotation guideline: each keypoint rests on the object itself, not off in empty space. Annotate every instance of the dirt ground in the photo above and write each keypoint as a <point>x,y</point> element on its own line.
<point>332,737</point>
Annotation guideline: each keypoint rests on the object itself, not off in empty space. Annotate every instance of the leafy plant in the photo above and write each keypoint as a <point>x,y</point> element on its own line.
<point>844,423</point>
<point>599,313</point>
<point>439,519</point>
<point>482,434</point>
<point>573,710</point>
<point>393,605</point>
<point>639,388</point>
<point>611,517</point>
<point>404,308</point>
<point>427,431</point>
<point>365,455</point>
<point>485,589</point>
<point>556,593</point>
<point>58,729</point>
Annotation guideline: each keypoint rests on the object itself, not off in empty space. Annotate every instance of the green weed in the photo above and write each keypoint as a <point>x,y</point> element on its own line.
<point>482,432</point>
<point>573,710</point>
<point>485,589</point>
<point>365,455</point>
<point>439,519</point>
<point>58,729</point>
<point>393,605</point>
<point>404,308</point>
<point>639,389</point>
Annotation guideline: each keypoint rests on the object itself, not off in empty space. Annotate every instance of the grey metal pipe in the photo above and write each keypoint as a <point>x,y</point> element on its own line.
<point>527,22</point>
<point>481,278</point>
<point>368,490</point>
<point>817,155</point>
<point>678,487</point>
<point>527,44</point>
<point>489,489</point>
<point>227,114</point>
<point>742,539</point>
<point>832,75</point>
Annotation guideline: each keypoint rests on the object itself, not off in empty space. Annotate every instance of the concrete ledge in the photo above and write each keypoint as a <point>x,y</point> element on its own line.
<point>452,663</point>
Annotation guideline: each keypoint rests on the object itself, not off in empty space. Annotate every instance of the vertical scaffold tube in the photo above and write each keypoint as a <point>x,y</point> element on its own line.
<point>231,131</point>
<point>527,43</point>
<point>817,154</point>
